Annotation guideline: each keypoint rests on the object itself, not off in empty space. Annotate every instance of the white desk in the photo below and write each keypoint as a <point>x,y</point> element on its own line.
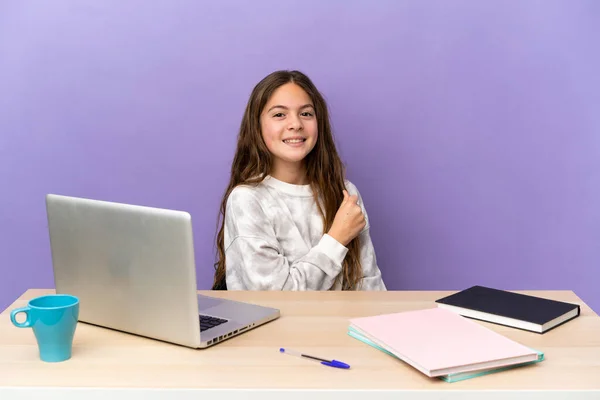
<point>116,365</point>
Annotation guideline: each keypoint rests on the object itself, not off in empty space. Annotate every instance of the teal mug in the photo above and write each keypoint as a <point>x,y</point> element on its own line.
<point>53,319</point>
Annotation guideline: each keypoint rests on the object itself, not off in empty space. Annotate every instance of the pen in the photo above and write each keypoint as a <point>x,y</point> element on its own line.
<point>329,363</point>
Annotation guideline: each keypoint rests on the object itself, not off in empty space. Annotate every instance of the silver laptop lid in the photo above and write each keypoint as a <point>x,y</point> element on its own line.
<point>132,267</point>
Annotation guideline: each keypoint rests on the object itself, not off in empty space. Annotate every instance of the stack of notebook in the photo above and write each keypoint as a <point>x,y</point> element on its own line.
<point>442,344</point>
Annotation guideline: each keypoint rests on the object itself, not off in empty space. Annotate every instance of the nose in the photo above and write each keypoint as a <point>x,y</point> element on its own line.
<point>295,123</point>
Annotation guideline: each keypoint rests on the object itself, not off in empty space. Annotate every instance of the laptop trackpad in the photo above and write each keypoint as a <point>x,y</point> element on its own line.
<point>204,303</point>
<point>231,310</point>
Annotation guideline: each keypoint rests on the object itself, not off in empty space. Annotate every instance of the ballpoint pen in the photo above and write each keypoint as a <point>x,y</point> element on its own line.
<point>329,363</point>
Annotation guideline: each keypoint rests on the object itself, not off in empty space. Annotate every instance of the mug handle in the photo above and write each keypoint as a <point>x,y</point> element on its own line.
<point>14,313</point>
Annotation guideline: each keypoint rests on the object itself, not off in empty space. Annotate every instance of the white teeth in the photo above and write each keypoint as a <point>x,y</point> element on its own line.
<point>294,141</point>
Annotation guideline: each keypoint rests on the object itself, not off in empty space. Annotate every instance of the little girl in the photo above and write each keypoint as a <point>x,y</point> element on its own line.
<point>290,220</point>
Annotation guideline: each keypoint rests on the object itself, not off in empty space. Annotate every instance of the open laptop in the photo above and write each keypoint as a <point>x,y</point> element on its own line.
<point>133,269</point>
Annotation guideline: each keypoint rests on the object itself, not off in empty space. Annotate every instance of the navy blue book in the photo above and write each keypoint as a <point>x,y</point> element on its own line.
<point>516,310</point>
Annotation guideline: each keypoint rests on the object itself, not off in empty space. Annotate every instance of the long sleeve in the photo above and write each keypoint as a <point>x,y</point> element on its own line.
<point>372,279</point>
<point>255,259</point>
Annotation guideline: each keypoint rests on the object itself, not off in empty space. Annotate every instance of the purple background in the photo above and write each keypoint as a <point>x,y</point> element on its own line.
<point>471,128</point>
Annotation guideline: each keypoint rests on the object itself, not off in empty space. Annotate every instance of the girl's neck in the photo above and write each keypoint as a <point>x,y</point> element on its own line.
<point>293,174</point>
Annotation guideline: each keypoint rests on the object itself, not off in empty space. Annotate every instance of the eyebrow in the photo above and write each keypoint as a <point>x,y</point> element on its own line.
<point>286,108</point>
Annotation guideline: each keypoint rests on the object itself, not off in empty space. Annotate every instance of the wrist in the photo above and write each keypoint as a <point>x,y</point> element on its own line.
<point>337,237</point>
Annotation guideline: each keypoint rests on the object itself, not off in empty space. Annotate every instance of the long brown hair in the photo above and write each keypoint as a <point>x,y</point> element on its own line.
<point>324,168</point>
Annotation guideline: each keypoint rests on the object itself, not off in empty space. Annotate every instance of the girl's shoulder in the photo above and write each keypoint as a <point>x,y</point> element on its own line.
<point>351,188</point>
<point>248,194</point>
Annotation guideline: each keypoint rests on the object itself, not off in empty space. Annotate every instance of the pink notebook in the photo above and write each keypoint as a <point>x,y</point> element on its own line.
<point>440,342</point>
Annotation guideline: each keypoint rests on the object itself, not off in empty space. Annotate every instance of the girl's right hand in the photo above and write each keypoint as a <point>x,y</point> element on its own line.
<point>349,220</point>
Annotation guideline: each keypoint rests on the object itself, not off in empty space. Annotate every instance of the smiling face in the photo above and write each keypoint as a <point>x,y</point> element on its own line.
<point>289,127</point>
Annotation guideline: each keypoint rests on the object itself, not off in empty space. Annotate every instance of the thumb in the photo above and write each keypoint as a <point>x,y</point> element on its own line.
<point>345,196</point>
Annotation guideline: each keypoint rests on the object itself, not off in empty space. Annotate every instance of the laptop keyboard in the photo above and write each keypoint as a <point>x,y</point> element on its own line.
<point>207,322</point>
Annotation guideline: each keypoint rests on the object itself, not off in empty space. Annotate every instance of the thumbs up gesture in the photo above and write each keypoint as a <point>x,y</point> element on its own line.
<point>349,220</point>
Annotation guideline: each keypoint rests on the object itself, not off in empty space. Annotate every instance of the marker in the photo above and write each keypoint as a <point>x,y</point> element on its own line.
<point>329,363</point>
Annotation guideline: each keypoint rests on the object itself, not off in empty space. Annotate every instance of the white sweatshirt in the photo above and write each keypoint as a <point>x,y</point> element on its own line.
<point>274,241</point>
